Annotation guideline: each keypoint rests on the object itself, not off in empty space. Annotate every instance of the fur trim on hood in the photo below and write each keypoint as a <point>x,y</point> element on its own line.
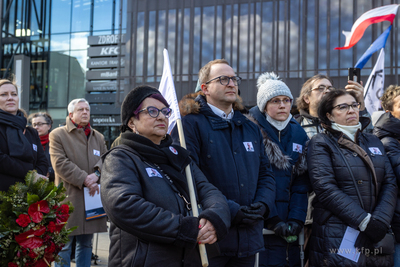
<point>188,105</point>
<point>276,156</point>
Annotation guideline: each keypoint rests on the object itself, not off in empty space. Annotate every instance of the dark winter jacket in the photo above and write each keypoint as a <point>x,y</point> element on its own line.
<point>13,169</point>
<point>286,152</point>
<point>337,205</point>
<point>231,155</point>
<point>50,169</point>
<point>150,225</point>
<point>388,130</point>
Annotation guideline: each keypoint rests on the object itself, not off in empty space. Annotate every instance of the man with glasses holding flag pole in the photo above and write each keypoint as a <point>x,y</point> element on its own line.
<point>228,148</point>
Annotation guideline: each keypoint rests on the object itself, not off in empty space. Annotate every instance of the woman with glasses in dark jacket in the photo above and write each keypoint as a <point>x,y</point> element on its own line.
<point>145,192</point>
<point>354,184</point>
<point>42,122</point>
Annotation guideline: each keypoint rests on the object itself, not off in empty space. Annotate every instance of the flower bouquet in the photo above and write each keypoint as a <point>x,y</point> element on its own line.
<point>32,223</point>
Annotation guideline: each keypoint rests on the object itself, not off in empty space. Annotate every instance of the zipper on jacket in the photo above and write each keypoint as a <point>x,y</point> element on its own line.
<point>279,136</point>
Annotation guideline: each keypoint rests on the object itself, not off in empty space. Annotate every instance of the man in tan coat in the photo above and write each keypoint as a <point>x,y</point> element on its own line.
<point>75,151</point>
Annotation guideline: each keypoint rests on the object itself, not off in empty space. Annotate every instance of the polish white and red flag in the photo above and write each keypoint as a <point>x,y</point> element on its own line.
<point>379,14</point>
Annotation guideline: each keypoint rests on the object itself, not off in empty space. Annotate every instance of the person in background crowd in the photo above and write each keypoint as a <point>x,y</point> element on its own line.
<point>307,103</point>
<point>354,186</point>
<point>145,191</point>
<point>19,144</point>
<point>285,143</point>
<point>387,129</point>
<point>42,122</point>
<point>228,148</point>
<point>75,151</point>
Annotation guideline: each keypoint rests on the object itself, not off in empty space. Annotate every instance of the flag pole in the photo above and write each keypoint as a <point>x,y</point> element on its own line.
<point>193,201</point>
<point>167,89</point>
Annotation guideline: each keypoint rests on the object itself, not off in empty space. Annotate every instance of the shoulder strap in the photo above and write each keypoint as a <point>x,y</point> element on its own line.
<point>351,174</point>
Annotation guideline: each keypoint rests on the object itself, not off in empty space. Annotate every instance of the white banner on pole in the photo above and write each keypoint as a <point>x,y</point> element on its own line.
<point>167,89</point>
<point>375,85</point>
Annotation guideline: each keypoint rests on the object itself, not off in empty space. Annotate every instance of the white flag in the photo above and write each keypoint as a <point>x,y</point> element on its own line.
<point>374,86</point>
<point>167,89</point>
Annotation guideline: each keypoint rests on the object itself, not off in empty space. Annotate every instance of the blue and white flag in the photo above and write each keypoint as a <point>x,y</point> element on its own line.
<point>167,89</point>
<point>375,85</point>
<point>379,43</point>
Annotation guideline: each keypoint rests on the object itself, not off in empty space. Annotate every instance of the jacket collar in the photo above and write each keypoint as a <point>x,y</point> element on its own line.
<point>217,123</point>
<point>70,126</point>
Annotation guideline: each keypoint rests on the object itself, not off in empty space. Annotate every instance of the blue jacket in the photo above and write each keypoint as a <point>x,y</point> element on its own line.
<point>286,152</point>
<point>232,157</point>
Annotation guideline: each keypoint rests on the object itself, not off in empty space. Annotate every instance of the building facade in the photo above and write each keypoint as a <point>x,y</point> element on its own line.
<point>294,38</point>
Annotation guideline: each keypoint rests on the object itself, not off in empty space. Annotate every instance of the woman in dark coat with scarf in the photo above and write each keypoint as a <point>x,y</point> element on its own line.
<point>20,148</point>
<point>354,184</point>
<point>42,122</point>
<point>145,193</point>
<point>284,141</point>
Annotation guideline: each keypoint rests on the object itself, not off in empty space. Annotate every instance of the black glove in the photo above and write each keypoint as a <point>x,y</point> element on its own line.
<point>295,226</point>
<point>376,230</point>
<point>258,208</point>
<point>281,229</point>
<point>363,242</point>
<point>245,216</point>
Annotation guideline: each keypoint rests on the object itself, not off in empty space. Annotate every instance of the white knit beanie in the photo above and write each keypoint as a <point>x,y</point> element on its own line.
<point>269,86</point>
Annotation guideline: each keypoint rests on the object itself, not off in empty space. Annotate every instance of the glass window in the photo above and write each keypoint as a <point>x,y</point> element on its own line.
<point>59,42</point>
<point>207,51</point>
<point>186,42</point>
<point>161,41</point>
<point>294,34</point>
<point>322,35</point>
<point>311,36</point>
<point>79,40</point>
<point>196,40</point>
<point>60,16</point>
<point>124,8</point>
<point>77,74</point>
<point>139,43</point>
<point>58,79</point>
<point>244,39</point>
<point>81,15</point>
<point>172,38</point>
<point>266,38</point>
<point>151,45</point>
<point>102,15</point>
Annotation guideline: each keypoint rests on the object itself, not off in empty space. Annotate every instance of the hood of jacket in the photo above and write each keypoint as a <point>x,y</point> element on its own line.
<point>387,125</point>
<point>191,104</point>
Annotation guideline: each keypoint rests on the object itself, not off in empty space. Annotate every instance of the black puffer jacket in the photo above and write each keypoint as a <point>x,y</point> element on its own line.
<point>388,130</point>
<point>337,205</point>
<point>149,221</point>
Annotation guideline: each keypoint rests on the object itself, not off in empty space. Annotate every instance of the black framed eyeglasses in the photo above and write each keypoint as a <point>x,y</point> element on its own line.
<point>39,124</point>
<point>346,107</point>
<point>224,80</point>
<point>154,112</point>
<point>323,88</point>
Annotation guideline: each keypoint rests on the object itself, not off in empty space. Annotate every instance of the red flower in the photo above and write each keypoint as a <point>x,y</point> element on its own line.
<point>32,254</point>
<point>51,227</point>
<point>12,264</point>
<point>64,209</point>
<point>23,220</point>
<point>35,210</point>
<point>60,226</point>
<point>45,262</point>
<point>51,248</point>
<point>30,238</point>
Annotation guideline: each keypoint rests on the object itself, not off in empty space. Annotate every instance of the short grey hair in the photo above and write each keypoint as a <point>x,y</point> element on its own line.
<point>72,104</point>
